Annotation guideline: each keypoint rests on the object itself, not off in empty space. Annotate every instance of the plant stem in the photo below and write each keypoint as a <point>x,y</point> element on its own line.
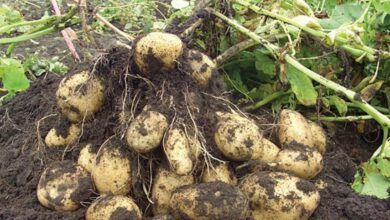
<point>235,49</point>
<point>28,36</point>
<point>43,21</point>
<point>266,100</point>
<point>379,108</point>
<point>343,118</point>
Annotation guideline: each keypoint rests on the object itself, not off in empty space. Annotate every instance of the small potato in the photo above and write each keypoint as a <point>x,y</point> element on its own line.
<point>113,207</point>
<point>164,184</point>
<point>79,96</point>
<point>87,158</point>
<point>178,152</point>
<point>157,51</point>
<point>56,139</point>
<point>302,161</point>
<point>319,137</point>
<point>195,147</point>
<point>279,196</point>
<point>204,201</point>
<point>112,170</point>
<point>146,131</point>
<point>222,173</point>
<point>202,67</point>
<point>63,186</point>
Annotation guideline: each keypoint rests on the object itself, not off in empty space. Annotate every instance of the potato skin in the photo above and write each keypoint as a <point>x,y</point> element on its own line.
<point>164,184</point>
<point>53,139</point>
<point>178,152</point>
<point>146,131</point>
<point>113,207</point>
<point>79,96</point>
<point>112,170</point>
<point>221,172</point>
<point>279,196</point>
<point>216,200</point>
<point>319,137</point>
<point>87,158</point>
<point>157,51</point>
<point>202,67</point>
<point>63,186</point>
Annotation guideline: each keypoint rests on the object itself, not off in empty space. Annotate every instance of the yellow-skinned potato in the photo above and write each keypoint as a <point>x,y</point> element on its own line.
<point>216,200</point>
<point>178,152</point>
<point>53,139</point>
<point>63,186</point>
<point>113,207</point>
<point>221,172</point>
<point>164,184</point>
<point>146,131</point>
<point>112,170</point>
<point>157,51</point>
<point>195,147</point>
<point>79,96</point>
<point>302,161</point>
<point>87,158</point>
<point>319,137</point>
<point>279,196</point>
<point>202,67</point>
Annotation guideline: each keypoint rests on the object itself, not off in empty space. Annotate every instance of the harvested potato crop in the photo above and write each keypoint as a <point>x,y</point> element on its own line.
<point>215,200</point>
<point>56,139</point>
<point>295,129</point>
<point>113,207</point>
<point>79,96</point>
<point>201,67</point>
<point>178,152</point>
<point>279,196</point>
<point>157,51</point>
<point>302,161</point>
<point>87,158</point>
<point>240,139</point>
<point>63,186</point>
<point>164,184</point>
<point>146,131</point>
<point>112,170</point>
<point>221,172</point>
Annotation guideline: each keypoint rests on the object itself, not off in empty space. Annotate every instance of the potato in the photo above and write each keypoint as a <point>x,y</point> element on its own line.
<point>222,173</point>
<point>157,51</point>
<point>87,158</point>
<point>56,139</point>
<point>279,196</point>
<point>240,139</point>
<point>319,137</point>
<point>146,131</point>
<point>112,170</point>
<point>178,152</point>
<point>63,186</point>
<point>195,148</point>
<point>79,96</point>
<point>302,161</point>
<point>113,207</point>
<point>164,184</point>
<point>201,67</point>
<point>215,200</point>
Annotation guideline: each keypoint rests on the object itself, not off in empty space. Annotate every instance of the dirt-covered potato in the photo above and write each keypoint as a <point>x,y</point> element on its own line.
<point>63,186</point>
<point>164,184</point>
<point>216,200</point>
<point>221,172</point>
<point>302,161</point>
<point>87,158</point>
<point>146,131</point>
<point>113,207</point>
<point>240,139</point>
<point>295,129</point>
<point>195,148</point>
<point>79,96</point>
<point>279,196</point>
<point>112,170</point>
<point>55,138</point>
<point>201,67</point>
<point>178,152</point>
<point>157,51</point>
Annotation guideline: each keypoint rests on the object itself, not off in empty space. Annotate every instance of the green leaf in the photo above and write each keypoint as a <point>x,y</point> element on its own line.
<point>340,104</point>
<point>342,14</point>
<point>12,75</point>
<point>384,166</point>
<point>302,86</point>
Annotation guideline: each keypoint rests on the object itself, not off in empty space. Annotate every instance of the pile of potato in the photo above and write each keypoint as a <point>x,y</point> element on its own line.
<point>178,191</point>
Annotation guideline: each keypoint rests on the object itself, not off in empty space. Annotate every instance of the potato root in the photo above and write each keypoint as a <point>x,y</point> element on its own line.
<point>54,139</point>
<point>113,207</point>
<point>221,172</point>
<point>63,186</point>
<point>178,152</point>
<point>201,67</point>
<point>87,158</point>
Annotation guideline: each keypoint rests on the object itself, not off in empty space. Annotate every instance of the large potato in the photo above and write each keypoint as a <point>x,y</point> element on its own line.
<point>178,152</point>
<point>201,67</point>
<point>279,196</point>
<point>79,96</point>
<point>215,200</point>
<point>87,158</point>
<point>164,184</point>
<point>221,172</point>
<point>113,207</point>
<point>63,186</point>
<point>112,170</point>
<point>157,51</point>
<point>240,139</point>
<point>56,139</point>
<point>146,131</point>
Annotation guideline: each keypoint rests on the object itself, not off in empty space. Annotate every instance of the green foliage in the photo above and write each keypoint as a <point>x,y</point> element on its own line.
<point>12,77</point>
<point>38,66</point>
<point>9,16</point>
<point>342,15</point>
